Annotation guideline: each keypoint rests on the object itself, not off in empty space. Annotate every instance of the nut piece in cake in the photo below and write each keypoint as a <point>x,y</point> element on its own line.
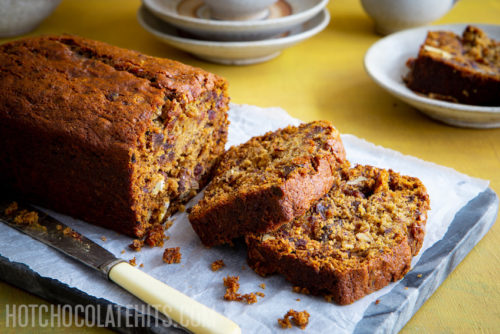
<point>463,69</point>
<point>267,181</point>
<point>355,240</point>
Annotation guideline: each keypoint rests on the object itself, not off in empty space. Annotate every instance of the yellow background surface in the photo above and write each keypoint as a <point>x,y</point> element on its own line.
<point>324,78</point>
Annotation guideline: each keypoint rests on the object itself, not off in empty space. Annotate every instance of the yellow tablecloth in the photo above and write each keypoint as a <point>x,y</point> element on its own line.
<point>323,78</point>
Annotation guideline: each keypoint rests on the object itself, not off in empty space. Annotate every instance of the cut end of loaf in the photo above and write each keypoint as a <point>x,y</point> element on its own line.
<point>175,159</point>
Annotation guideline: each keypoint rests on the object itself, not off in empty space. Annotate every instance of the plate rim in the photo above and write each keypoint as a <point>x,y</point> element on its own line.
<point>400,90</point>
<point>239,25</point>
<point>236,44</point>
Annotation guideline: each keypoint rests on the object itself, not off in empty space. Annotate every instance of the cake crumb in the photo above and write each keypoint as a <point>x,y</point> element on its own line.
<point>103,238</point>
<point>249,298</point>
<point>168,224</point>
<point>11,209</point>
<point>123,251</point>
<point>298,299</point>
<point>182,208</point>
<point>285,323</point>
<point>155,236</point>
<point>328,298</point>
<point>300,319</point>
<point>406,288</point>
<point>298,289</point>
<point>419,275</point>
<point>172,255</point>
<point>68,231</point>
<point>25,217</point>
<point>377,302</point>
<point>58,227</point>
<point>132,261</point>
<point>141,265</point>
<point>216,265</point>
<point>232,286</point>
<point>260,294</point>
<point>262,285</point>
<point>136,245</point>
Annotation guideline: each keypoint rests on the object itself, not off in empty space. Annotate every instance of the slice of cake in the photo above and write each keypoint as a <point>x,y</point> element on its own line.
<point>266,182</point>
<point>105,134</point>
<point>464,69</point>
<point>356,239</point>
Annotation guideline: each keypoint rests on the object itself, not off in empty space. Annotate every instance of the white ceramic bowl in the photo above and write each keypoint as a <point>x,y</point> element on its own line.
<point>385,63</point>
<point>231,53</point>
<point>395,15</point>
<point>239,10</point>
<point>214,30</point>
<point>18,17</point>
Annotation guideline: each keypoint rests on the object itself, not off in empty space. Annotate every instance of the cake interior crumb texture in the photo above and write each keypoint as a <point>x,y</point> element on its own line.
<point>267,181</point>
<point>463,69</point>
<point>105,134</point>
<point>355,240</point>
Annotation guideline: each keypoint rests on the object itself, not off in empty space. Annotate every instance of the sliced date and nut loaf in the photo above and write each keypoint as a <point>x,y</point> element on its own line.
<point>355,240</point>
<point>266,182</point>
<point>105,134</point>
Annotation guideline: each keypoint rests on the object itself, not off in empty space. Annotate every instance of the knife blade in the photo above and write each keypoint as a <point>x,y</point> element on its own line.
<point>191,314</point>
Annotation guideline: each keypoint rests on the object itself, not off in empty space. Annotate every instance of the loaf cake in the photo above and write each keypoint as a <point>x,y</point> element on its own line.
<point>355,240</point>
<point>267,181</point>
<point>104,134</point>
<point>463,69</point>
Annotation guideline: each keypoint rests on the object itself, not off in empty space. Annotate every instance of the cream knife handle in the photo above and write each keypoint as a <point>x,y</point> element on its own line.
<point>196,317</point>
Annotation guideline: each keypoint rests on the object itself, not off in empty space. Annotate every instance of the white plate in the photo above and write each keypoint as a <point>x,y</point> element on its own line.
<point>231,53</point>
<point>302,10</point>
<point>385,62</point>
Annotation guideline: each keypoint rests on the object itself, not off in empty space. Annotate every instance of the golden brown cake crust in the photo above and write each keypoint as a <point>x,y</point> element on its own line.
<point>464,69</point>
<point>357,239</point>
<point>83,124</point>
<point>266,182</point>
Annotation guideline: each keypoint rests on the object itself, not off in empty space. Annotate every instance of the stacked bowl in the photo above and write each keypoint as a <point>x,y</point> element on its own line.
<point>233,32</point>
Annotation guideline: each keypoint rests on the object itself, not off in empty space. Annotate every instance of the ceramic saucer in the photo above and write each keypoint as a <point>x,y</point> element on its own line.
<point>231,53</point>
<point>194,17</point>
<point>385,63</point>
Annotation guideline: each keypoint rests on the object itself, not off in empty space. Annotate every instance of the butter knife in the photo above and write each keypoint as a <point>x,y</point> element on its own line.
<point>193,315</point>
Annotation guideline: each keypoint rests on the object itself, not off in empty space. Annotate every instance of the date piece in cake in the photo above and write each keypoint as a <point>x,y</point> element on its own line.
<point>105,134</point>
<point>357,239</point>
<point>463,69</point>
<point>267,181</point>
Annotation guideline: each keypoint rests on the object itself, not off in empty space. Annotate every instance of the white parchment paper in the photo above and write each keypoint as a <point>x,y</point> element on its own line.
<point>449,191</point>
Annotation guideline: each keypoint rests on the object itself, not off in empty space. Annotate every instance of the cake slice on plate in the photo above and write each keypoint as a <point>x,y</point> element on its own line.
<point>463,69</point>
